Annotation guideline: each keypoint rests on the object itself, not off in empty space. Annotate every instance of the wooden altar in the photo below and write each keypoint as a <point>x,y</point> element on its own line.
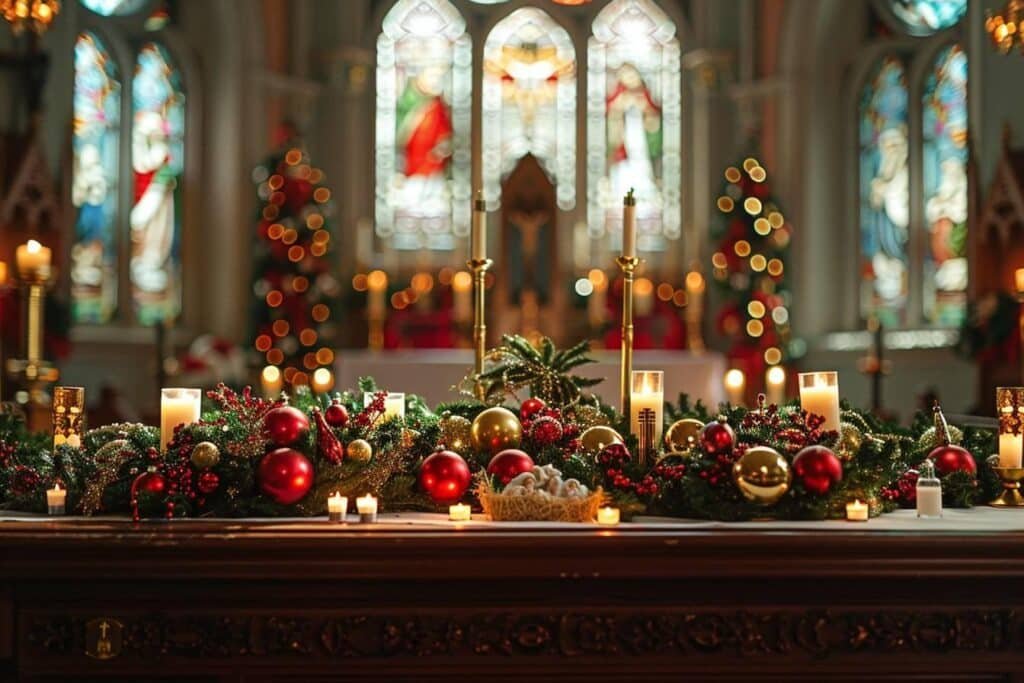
<point>307,601</point>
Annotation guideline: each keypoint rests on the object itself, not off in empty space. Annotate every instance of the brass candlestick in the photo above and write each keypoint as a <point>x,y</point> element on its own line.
<point>479,268</point>
<point>628,265</point>
<point>33,370</point>
<point>1011,495</point>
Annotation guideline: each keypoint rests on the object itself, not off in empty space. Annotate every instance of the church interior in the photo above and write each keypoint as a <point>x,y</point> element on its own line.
<point>717,260</point>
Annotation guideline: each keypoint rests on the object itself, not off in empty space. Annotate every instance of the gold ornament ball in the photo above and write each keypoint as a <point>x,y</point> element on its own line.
<point>409,437</point>
<point>594,439</point>
<point>929,441</point>
<point>850,441</point>
<point>683,434</point>
<point>589,416</point>
<point>455,432</point>
<point>494,430</point>
<point>359,450</point>
<point>762,475</point>
<point>205,455</point>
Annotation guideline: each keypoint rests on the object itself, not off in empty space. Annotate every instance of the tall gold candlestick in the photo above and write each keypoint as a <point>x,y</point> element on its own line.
<point>628,265</point>
<point>479,269</point>
<point>33,370</point>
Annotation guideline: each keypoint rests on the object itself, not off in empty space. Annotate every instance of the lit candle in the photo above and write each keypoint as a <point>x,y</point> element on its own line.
<point>629,225</point>
<point>33,260</point>
<point>735,386</point>
<point>367,508</point>
<point>462,291</point>
<point>55,499</point>
<point>271,381</point>
<point>177,407</point>
<point>337,505</point>
<point>323,381</point>
<point>478,235</point>
<point>857,511</point>
<point>68,406</point>
<point>646,409</point>
<point>608,516</point>
<point>459,512</point>
<point>775,384</point>
<point>819,395</point>
<point>394,404</point>
<point>3,273</point>
<point>377,287</point>
<point>1010,410</point>
<point>1018,278</point>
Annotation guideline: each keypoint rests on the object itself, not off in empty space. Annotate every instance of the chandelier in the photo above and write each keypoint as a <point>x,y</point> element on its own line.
<point>36,15</point>
<point>1004,27</point>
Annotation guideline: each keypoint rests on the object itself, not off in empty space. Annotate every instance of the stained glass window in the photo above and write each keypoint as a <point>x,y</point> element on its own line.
<point>424,86</point>
<point>158,155</point>
<point>945,187</point>
<point>95,131</point>
<point>922,17</point>
<point>529,101</point>
<point>113,7</point>
<point>633,119</point>
<point>884,193</point>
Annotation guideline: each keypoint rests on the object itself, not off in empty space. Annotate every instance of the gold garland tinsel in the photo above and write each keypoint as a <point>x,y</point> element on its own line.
<point>109,458</point>
<point>367,479</point>
<point>455,432</point>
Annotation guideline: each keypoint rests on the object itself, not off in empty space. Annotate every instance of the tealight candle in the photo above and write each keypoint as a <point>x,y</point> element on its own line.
<point>367,508</point>
<point>775,385</point>
<point>177,407</point>
<point>608,516</point>
<point>478,235</point>
<point>394,404</point>
<point>33,260</point>
<point>337,505</point>
<point>646,408</point>
<point>460,512</point>
<point>819,395</point>
<point>857,511</point>
<point>735,386</point>
<point>55,499</point>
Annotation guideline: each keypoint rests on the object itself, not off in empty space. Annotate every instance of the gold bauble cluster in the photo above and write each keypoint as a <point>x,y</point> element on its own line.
<point>762,475</point>
<point>455,432</point>
<point>205,455</point>
<point>359,450</point>
<point>595,439</point>
<point>494,430</point>
<point>683,435</point>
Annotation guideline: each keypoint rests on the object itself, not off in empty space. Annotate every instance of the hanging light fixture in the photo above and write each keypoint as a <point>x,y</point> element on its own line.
<point>36,15</point>
<point>1004,27</point>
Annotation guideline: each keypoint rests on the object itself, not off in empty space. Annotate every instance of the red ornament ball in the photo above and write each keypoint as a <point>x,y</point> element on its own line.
<point>445,476</point>
<point>951,458</point>
<point>614,456</point>
<point>818,469</point>
<point>285,476</point>
<point>531,407</point>
<point>546,431</point>
<point>151,482</point>
<point>207,482</point>
<point>717,437</point>
<point>285,425</point>
<point>336,414</point>
<point>509,464</point>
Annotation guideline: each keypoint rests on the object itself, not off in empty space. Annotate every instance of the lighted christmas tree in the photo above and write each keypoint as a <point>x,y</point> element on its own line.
<point>295,291</point>
<point>749,265</point>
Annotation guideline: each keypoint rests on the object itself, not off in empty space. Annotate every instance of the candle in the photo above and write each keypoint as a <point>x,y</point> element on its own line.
<point>478,236</point>
<point>775,384</point>
<point>857,511</point>
<point>323,381</point>
<point>1010,410</point>
<point>377,286</point>
<point>55,499</point>
<point>646,406</point>
<point>1011,447</point>
<point>459,512</point>
<point>33,260</point>
<point>929,491</point>
<point>819,395</point>
<point>394,404</point>
<point>3,273</point>
<point>337,505</point>
<point>68,406</point>
<point>1018,278</point>
<point>367,508</point>
<point>629,225</point>
<point>735,386</point>
<point>177,407</point>
<point>271,381</point>
<point>462,290</point>
<point>608,516</point>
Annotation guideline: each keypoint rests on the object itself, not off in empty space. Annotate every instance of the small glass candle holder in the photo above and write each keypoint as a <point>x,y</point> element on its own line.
<point>647,410</point>
<point>1010,411</point>
<point>929,491</point>
<point>857,511</point>
<point>460,512</point>
<point>608,516</point>
<point>55,500</point>
<point>367,508</point>
<point>337,505</point>
<point>819,395</point>
<point>68,416</point>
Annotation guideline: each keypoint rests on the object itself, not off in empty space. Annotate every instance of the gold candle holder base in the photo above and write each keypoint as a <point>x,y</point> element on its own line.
<point>628,266</point>
<point>479,268</point>
<point>1011,496</point>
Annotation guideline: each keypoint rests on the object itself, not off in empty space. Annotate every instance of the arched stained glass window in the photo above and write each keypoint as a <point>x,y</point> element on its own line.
<point>633,122</point>
<point>884,192</point>
<point>95,132</point>
<point>423,117</point>
<point>114,7</point>
<point>158,155</point>
<point>923,17</point>
<point>529,101</point>
<point>945,187</point>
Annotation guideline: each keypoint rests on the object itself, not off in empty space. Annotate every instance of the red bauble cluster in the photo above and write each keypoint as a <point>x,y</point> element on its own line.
<point>336,414</point>
<point>509,464</point>
<point>208,482</point>
<point>285,476</point>
<point>949,459</point>
<point>818,469</point>
<point>285,425</point>
<point>904,490</point>
<point>150,482</point>
<point>546,431</point>
<point>717,438</point>
<point>529,408</point>
<point>445,476</point>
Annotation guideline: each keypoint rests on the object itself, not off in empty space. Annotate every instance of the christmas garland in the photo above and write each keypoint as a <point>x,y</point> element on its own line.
<point>249,456</point>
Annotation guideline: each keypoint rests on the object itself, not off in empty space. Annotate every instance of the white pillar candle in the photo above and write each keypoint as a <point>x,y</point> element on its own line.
<point>367,508</point>
<point>735,386</point>
<point>337,505</point>
<point>1011,450</point>
<point>857,511</point>
<point>775,385</point>
<point>177,407</point>
<point>478,235</point>
<point>323,381</point>
<point>608,516</point>
<point>376,292</point>
<point>271,381</point>
<point>460,512</point>
<point>647,394</point>
<point>33,260</point>
<point>929,501</point>
<point>1010,410</point>
<point>819,395</point>
<point>394,404</point>
<point>462,292</point>
<point>629,225</point>
<point>55,499</point>
<point>3,273</point>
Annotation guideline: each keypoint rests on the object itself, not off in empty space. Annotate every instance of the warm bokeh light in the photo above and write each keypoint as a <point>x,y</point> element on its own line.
<point>320,312</point>
<point>308,337</point>
<point>597,278</point>
<point>775,267</point>
<point>462,281</point>
<point>422,282</point>
<point>296,253</point>
<point>719,260</point>
<point>293,156</point>
<point>359,282</point>
<point>775,219</point>
<point>322,194</point>
<point>773,356</point>
<point>758,263</point>
<point>755,328</point>
<point>263,343</point>
<point>274,298</point>
<point>377,281</point>
<point>280,327</point>
<point>275,231</point>
<point>725,204</point>
<point>1019,280</point>
<point>734,378</point>
<point>300,284</point>
<point>732,174</point>
<point>584,287</point>
<point>679,298</point>
<point>695,281</point>
<point>776,375</point>
<point>324,356</point>
<point>271,374</point>
<point>742,248</point>
<point>762,226</point>
<point>780,315</point>
<point>758,174</point>
<point>756,309</point>
<point>289,236</point>
<point>275,357</point>
<point>665,291</point>
<point>643,287</point>
<point>752,205</point>
<point>315,221</point>
<point>323,380</point>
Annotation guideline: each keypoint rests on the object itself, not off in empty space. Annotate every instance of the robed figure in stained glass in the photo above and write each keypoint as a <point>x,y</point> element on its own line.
<point>634,134</point>
<point>424,135</point>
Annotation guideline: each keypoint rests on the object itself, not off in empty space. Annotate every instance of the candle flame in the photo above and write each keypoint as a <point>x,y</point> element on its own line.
<point>33,246</point>
<point>776,375</point>
<point>56,486</point>
<point>734,378</point>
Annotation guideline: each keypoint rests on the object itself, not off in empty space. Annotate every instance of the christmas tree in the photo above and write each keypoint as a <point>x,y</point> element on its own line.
<point>749,266</point>
<point>293,307</point>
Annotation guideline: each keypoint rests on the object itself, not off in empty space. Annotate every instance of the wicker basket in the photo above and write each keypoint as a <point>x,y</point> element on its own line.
<point>537,507</point>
